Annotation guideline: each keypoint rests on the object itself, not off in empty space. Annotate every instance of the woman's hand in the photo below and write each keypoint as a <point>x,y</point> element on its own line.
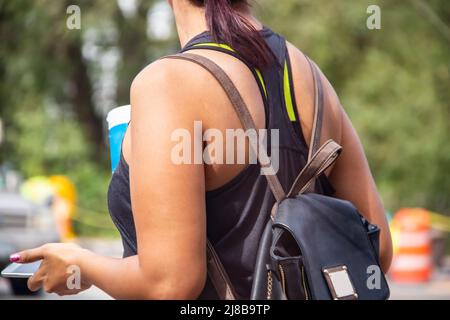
<point>60,271</point>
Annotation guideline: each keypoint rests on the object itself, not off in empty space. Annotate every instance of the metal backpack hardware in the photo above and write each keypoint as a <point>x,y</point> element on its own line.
<point>313,247</point>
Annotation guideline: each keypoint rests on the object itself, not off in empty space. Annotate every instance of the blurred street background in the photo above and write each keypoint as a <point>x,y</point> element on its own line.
<point>59,80</point>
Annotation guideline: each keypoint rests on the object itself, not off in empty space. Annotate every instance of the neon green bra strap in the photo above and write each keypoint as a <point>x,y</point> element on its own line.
<point>288,94</point>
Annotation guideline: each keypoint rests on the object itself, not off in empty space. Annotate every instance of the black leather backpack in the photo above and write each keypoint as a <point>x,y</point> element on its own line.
<point>313,247</point>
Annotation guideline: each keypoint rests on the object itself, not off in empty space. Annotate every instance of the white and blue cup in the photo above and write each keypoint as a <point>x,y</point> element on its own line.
<point>118,120</point>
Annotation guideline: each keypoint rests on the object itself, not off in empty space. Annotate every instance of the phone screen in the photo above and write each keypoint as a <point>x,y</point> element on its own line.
<point>16,270</point>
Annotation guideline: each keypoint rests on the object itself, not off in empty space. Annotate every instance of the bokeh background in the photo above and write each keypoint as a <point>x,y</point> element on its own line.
<point>57,86</point>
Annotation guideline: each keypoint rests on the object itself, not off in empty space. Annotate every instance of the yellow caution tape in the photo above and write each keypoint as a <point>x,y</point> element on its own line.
<point>440,222</point>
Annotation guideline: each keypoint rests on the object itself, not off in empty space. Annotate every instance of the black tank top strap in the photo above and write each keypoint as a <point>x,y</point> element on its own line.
<point>290,99</point>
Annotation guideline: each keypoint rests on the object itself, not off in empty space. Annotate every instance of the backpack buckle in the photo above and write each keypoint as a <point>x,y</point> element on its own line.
<point>339,283</point>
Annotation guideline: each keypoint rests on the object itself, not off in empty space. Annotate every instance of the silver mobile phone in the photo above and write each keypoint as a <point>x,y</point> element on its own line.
<point>21,271</point>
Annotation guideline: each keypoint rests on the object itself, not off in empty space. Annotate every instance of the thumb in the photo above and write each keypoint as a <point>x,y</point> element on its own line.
<point>28,256</point>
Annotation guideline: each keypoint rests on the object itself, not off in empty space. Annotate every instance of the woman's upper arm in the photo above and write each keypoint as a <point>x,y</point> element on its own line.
<point>352,178</point>
<point>167,199</point>
<point>353,181</point>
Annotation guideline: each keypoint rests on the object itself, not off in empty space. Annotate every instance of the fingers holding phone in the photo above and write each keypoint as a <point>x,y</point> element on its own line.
<point>36,281</point>
<point>53,267</point>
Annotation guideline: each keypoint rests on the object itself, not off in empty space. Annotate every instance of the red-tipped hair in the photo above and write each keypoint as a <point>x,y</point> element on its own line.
<point>227,26</point>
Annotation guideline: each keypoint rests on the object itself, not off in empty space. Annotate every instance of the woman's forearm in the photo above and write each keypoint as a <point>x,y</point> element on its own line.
<point>120,278</point>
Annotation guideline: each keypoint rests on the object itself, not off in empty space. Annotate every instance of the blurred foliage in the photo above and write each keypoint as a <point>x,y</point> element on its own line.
<point>393,82</point>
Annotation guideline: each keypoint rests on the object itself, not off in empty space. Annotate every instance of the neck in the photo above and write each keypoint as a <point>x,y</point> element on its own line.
<point>190,20</point>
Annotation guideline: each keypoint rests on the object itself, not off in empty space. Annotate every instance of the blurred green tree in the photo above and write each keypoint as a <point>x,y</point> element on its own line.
<point>52,85</point>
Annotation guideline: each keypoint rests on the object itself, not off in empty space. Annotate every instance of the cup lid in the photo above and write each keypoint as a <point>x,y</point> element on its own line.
<point>118,116</point>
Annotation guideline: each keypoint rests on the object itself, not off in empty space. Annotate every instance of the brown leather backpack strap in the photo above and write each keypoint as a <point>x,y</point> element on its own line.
<point>318,109</point>
<point>218,275</point>
<point>320,162</point>
<point>243,113</point>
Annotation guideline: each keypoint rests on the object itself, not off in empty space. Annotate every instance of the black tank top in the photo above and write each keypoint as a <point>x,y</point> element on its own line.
<point>238,211</point>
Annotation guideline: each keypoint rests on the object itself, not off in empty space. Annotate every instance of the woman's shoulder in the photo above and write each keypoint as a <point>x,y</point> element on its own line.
<point>173,82</point>
<point>165,74</point>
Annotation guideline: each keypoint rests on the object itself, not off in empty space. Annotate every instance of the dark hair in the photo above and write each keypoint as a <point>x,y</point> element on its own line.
<point>227,26</point>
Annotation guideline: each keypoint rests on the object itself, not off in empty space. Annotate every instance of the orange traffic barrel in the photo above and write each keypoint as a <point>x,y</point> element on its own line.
<point>412,262</point>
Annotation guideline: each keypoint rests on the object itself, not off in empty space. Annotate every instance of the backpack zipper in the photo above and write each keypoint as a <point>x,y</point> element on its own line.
<point>304,283</point>
<point>283,281</point>
<point>269,285</point>
<point>283,278</point>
